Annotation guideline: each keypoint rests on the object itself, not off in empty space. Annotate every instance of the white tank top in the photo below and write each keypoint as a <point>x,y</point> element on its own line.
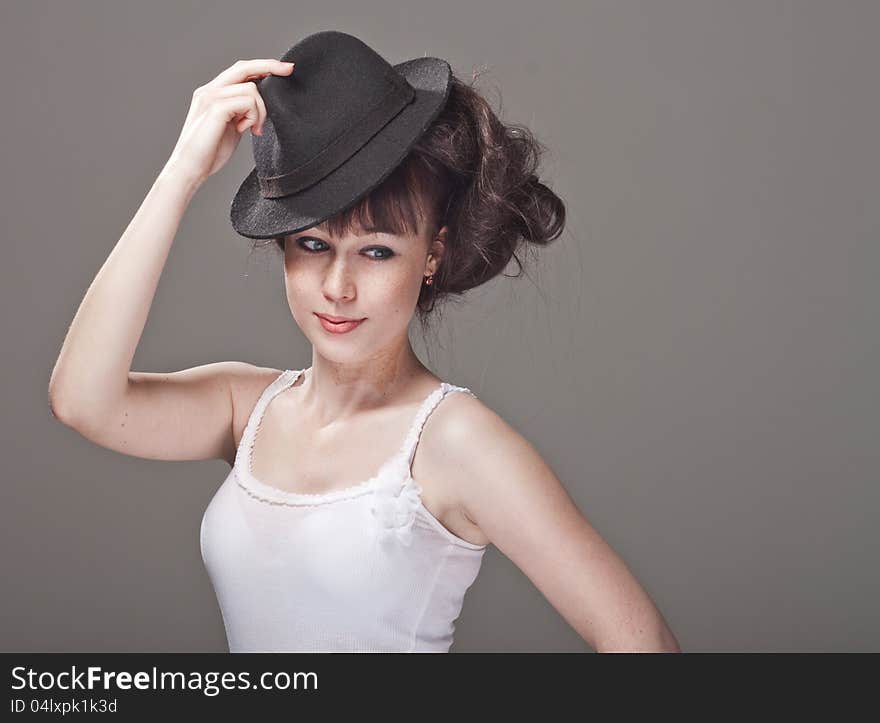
<point>366,568</point>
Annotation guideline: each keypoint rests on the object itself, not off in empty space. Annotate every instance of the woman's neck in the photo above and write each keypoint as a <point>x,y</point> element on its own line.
<point>335,391</point>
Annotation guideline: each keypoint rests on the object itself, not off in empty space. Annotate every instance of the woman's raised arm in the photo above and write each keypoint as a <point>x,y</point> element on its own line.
<point>92,387</point>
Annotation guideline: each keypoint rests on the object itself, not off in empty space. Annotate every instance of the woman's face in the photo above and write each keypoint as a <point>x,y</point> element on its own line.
<point>371,276</point>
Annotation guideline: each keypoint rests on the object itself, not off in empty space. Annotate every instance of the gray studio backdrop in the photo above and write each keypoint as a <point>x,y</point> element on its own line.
<point>696,358</point>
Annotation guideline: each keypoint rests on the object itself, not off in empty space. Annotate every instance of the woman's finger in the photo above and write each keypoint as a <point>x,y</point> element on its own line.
<point>243,105</point>
<point>241,70</point>
<point>247,88</point>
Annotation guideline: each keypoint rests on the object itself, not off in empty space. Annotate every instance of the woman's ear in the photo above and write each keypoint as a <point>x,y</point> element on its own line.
<point>436,250</point>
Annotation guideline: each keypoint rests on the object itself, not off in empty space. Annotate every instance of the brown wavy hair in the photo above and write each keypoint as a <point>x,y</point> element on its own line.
<point>476,175</point>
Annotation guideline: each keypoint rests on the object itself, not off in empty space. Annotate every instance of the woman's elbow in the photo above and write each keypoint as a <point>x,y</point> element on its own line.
<point>655,640</point>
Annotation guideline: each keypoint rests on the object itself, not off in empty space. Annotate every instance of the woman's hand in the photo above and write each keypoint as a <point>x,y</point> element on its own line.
<point>220,112</point>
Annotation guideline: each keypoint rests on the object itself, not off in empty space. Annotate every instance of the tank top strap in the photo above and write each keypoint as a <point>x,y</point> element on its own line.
<point>408,449</point>
<point>281,382</point>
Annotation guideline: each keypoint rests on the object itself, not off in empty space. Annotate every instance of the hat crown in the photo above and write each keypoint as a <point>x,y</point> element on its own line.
<point>340,93</point>
<point>335,129</point>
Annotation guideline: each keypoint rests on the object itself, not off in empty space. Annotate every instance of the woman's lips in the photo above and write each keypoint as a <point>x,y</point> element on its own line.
<point>340,328</point>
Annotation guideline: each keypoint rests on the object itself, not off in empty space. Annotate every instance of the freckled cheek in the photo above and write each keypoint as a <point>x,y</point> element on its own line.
<point>394,294</point>
<point>298,298</point>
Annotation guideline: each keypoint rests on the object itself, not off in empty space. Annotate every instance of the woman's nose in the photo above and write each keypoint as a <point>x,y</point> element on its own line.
<point>338,282</point>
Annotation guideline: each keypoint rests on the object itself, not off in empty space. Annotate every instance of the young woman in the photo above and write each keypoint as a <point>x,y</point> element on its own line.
<point>363,489</point>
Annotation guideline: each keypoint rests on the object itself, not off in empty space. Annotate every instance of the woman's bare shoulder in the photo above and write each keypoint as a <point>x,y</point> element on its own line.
<point>460,435</point>
<point>245,375</point>
<point>467,413</point>
<point>246,383</point>
<point>465,423</point>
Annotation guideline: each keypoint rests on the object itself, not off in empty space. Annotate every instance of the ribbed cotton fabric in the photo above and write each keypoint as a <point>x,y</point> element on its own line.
<point>366,568</point>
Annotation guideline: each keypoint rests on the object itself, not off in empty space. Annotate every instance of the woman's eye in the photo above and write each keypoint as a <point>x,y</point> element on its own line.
<point>383,251</point>
<point>388,253</point>
<point>300,241</point>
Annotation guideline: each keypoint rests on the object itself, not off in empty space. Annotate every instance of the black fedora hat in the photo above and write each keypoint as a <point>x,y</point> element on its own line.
<point>336,127</point>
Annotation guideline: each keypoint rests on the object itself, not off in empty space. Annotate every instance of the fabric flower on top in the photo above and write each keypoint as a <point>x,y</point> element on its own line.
<point>396,498</point>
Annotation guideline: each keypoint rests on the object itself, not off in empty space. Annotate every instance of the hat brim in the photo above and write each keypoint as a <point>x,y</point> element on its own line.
<point>256,217</point>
